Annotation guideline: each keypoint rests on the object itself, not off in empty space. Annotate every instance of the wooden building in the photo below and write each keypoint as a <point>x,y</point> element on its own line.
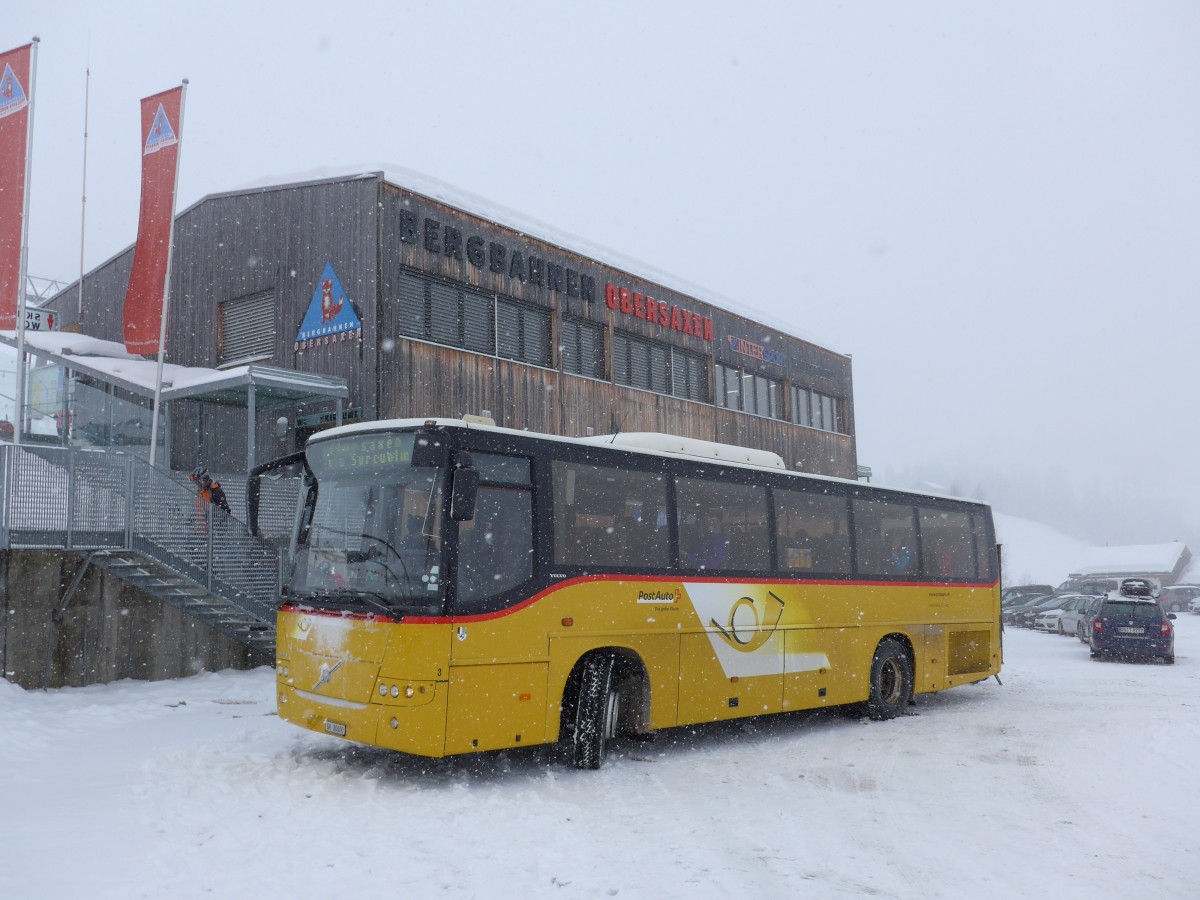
<point>432,309</point>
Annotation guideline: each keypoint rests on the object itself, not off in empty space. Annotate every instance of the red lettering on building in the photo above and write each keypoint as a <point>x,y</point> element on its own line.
<point>643,306</point>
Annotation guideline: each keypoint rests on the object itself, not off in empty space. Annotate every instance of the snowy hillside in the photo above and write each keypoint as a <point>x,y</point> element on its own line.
<point>1035,553</point>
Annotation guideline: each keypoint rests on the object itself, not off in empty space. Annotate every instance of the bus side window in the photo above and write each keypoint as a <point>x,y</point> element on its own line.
<point>722,525</point>
<point>813,532</point>
<point>609,517</point>
<point>885,538</point>
<point>947,550</point>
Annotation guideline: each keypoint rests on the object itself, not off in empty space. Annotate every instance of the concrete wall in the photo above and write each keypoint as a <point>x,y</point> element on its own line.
<point>111,630</point>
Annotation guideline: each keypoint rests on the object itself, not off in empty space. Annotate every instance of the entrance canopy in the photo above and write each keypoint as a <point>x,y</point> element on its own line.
<point>83,391</point>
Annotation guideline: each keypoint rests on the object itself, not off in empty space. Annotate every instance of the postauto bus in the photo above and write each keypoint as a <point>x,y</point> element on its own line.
<point>458,587</point>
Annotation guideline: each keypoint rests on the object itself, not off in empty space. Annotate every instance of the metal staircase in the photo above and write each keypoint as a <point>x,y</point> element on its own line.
<point>143,525</point>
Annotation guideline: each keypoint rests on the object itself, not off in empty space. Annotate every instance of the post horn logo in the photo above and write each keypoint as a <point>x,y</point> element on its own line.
<point>751,622</point>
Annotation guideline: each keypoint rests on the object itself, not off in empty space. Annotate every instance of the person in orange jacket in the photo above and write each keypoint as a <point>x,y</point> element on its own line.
<point>207,491</point>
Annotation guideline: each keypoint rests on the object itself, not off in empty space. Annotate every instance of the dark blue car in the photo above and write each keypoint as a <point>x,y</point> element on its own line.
<point>1133,625</point>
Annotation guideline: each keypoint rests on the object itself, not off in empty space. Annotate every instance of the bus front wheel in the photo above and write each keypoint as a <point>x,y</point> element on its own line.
<point>891,680</point>
<point>596,712</point>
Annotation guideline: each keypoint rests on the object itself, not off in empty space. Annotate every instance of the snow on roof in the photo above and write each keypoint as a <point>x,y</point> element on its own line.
<point>67,343</point>
<point>434,189</point>
<point>111,359</point>
<point>1131,559</point>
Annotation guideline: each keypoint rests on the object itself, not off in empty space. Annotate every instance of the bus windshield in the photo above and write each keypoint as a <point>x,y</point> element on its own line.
<point>374,543</point>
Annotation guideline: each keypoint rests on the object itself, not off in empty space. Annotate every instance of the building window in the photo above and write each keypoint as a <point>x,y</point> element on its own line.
<point>748,391</point>
<point>640,363</point>
<point>482,323</point>
<point>582,348</point>
<point>656,367</point>
<point>522,332</point>
<point>246,328</point>
<point>689,375</point>
<point>815,410</point>
<point>446,314</point>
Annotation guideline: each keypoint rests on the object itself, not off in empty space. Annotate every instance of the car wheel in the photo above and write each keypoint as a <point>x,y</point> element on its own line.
<point>1060,631</point>
<point>1169,659</point>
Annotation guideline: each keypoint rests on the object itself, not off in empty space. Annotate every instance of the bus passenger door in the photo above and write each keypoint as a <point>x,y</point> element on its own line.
<point>498,657</point>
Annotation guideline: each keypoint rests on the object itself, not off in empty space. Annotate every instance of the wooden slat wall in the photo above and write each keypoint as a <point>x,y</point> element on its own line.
<point>427,380</point>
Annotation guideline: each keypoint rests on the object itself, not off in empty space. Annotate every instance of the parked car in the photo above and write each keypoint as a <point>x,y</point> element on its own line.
<point>1022,616</point>
<point>1017,594</point>
<point>1083,627</point>
<point>1194,606</point>
<point>1134,624</point>
<point>1096,586</point>
<point>1065,619</point>
<point>1050,620</point>
<point>1176,597</point>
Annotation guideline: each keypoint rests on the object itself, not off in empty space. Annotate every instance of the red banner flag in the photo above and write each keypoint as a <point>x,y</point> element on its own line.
<point>161,132</point>
<point>14,141</point>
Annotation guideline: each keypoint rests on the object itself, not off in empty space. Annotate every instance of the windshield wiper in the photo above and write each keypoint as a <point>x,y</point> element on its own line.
<point>373,598</point>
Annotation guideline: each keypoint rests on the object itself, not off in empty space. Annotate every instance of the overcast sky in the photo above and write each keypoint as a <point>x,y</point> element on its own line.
<point>994,207</point>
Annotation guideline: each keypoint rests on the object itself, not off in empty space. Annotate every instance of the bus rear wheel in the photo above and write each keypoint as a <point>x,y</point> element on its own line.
<point>596,712</point>
<point>891,680</point>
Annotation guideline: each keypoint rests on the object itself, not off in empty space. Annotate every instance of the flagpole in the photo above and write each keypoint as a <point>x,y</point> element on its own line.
<point>23,266</point>
<point>87,86</point>
<point>166,301</point>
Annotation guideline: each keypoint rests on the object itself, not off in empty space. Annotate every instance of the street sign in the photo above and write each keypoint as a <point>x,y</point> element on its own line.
<point>40,319</point>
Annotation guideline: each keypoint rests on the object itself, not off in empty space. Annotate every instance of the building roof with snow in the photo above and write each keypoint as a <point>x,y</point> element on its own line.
<point>1165,562</point>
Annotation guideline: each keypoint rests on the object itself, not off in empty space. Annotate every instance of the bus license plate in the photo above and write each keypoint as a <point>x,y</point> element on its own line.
<point>1132,630</point>
<point>335,728</point>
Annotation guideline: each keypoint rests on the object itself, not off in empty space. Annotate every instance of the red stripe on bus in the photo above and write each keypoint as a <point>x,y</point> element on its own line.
<point>583,579</point>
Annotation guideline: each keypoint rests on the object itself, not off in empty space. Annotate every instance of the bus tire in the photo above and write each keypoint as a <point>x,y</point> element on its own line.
<point>891,681</point>
<point>595,712</point>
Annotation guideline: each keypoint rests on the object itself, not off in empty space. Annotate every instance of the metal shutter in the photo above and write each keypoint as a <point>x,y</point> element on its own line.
<point>478,322</point>
<point>413,308</point>
<point>524,332</point>
<point>660,368</point>
<point>248,327</point>
<point>621,369</point>
<point>583,349</point>
<point>445,320</point>
<point>689,376</point>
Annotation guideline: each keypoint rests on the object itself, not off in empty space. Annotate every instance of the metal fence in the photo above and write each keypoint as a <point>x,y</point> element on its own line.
<point>65,498</point>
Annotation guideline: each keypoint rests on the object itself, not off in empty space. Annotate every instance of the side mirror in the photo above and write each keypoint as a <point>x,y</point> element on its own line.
<point>464,489</point>
<point>1172,616</point>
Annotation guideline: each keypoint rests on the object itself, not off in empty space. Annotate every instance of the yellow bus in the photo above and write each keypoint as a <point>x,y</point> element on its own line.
<point>458,587</point>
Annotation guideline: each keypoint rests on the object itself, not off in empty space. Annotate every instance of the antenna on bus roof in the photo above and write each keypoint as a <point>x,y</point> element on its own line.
<point>616,426</point>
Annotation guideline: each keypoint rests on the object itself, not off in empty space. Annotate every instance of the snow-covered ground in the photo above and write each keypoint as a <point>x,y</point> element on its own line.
<point>1072,779</point>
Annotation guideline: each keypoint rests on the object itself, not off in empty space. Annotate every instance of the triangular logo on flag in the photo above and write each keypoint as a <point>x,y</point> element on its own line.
<point>12,95</point>
<point>330,312</point>
<point>161,133</point>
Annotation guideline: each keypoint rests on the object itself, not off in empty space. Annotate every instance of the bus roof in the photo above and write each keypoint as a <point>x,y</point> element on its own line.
<point>642,442</point>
